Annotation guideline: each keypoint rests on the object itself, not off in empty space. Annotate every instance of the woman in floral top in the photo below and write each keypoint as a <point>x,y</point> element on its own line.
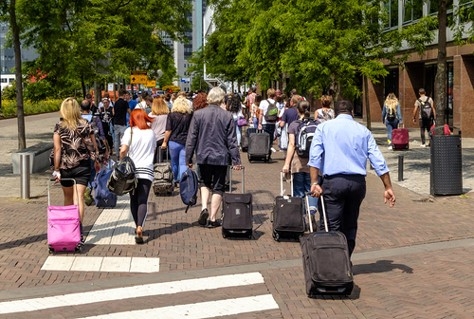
<point>74,148</point>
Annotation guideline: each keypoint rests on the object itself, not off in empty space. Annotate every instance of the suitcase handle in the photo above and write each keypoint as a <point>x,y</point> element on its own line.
<point>230,179</point>
<point>326,228</point>
<point>62,179</point>
<point>282,190</point>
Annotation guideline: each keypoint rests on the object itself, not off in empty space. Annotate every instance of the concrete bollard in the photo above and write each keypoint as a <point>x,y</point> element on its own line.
<point>25,175</point>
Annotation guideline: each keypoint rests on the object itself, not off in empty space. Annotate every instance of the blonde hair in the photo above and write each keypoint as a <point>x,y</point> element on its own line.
<point>181,105</point>
<point>159,106</point>
<point>70,113</point>
<point>391,101</point>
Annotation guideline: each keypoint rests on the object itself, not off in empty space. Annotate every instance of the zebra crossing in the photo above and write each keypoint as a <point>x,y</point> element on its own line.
<point>114,226</point>
<point>252,282</point>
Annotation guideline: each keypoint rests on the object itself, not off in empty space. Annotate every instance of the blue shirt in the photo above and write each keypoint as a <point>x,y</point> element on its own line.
<point>343,146</point>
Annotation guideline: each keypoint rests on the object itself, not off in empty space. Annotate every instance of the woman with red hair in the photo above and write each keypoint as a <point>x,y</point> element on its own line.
<point>139,143</point>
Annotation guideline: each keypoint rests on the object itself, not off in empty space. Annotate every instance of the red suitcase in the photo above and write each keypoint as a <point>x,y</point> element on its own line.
<point>400,139</point>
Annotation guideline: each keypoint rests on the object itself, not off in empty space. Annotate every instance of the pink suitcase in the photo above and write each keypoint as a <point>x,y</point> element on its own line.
<point>400,139</point>
<point>64,230</point>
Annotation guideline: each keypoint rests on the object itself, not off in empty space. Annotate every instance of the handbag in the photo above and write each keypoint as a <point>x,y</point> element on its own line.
<point>242,121</point>
<point>123,179</point>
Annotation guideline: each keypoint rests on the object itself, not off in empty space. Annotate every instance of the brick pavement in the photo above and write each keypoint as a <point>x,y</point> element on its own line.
<point>404,266</point>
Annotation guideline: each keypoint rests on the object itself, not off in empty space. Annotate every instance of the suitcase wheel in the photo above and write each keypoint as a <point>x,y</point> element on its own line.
<point>50,250</point>
<point>276,236</point>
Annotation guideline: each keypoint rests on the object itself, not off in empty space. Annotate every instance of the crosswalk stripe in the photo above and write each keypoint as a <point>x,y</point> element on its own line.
<point>105,264</point>
<point>114,226</point>
<point>200,310</point>
<point>172,287</point>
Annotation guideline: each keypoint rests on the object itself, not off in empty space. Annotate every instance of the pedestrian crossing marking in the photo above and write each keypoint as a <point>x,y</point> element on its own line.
<point>156,289</point>
<point>105,264</point>
<point>114,226</point>
<point>200,310</point>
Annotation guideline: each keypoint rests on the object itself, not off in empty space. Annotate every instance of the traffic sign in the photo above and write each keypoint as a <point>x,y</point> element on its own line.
<point>138,79</point>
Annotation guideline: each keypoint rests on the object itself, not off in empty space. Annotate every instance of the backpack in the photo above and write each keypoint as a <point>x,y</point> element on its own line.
<point>391,114</point>
<point>123,179</point>
<point>101,147</point>
<point>188,188</point>
<point>103,197</point>
<point>425,108</point>
<point>163,179</point>
<point>304,136</point>
<point>271,115</point>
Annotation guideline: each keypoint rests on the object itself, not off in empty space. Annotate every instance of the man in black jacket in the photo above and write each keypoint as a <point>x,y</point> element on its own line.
<point>120,119</point>
<point>212,137</point>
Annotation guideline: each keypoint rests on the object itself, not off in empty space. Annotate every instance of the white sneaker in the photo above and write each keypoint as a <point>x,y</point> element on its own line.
<point>273,149</point>
<point>423,145</point>
<point>390,147</point>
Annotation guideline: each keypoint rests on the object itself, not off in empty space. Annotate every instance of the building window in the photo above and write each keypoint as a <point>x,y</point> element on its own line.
<point>434,4</point>
<point>412,11</point>
<point>391,8</point>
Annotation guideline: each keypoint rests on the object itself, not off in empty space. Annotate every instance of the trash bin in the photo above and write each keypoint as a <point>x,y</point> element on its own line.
<point>446,165</point>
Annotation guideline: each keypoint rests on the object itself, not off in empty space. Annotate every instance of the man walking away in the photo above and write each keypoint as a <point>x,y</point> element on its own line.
<point>339,153</point>
<point>121,110</point>
<point>425,112</point>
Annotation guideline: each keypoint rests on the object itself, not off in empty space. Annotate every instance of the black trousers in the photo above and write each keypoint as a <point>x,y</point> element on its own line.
<point>343,195</point>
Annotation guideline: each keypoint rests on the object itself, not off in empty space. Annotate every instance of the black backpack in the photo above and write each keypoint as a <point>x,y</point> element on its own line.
<point>304,136</point>
<point>425,108</point>
<point>391,114</point>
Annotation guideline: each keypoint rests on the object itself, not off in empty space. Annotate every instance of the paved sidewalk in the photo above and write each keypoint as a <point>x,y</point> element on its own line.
<point>412,261</point>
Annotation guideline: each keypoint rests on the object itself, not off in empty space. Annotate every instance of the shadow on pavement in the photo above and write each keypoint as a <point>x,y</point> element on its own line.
<point>380,266</point>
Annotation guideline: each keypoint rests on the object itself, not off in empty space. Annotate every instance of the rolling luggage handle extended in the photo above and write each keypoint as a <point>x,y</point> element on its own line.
<point>243,179</point>
<point>282,190</point>
<point>62,179</point>
<point>326,228</point>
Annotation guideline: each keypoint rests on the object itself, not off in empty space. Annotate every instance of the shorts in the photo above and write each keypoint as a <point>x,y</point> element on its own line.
<point>81,174</point>
<point>213,177</point>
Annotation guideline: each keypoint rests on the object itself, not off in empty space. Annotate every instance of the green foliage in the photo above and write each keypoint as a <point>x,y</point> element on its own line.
<point>9,107</point>
<point>38,91</point>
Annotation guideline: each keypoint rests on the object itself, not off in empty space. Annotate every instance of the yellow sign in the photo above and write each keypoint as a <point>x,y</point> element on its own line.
<point>150,84</point>
<point>138,79</point>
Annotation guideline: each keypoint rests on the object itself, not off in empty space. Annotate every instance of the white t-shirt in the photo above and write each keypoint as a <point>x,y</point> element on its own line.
<point>263,107</point>
<point>141,150</point>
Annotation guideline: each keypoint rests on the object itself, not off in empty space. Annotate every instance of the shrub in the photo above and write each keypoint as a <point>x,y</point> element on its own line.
<point>9,107</point>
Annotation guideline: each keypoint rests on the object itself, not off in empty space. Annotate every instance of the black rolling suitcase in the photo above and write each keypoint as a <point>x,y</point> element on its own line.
<point>259,146</point>
<point>244,139</point>
<point>237,213</point>
<point>326,263</point>
<point>288,214</point>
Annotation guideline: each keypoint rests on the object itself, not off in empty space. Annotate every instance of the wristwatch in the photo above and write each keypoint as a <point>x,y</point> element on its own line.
<point>315,183</point>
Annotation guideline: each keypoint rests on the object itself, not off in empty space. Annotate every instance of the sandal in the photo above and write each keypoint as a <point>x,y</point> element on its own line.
<point>139,235</point>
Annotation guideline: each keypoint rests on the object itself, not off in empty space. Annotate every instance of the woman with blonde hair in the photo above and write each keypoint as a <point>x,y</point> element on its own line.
<point>391,116</point>
<point>159,113</point>
<point>177,126</point>
<point>74,148</point>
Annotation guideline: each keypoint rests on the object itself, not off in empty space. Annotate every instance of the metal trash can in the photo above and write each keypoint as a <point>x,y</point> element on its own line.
<point>446,165</point>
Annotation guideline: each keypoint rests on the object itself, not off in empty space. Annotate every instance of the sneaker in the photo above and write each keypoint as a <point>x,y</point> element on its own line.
<point>389,142</point>
<point>273,149</point>
<point>423,145</point>
<point>203,217</point>
<point>390,147</point>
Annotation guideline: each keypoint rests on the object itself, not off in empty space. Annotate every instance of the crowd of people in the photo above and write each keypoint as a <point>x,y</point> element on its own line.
<point>207,131</point>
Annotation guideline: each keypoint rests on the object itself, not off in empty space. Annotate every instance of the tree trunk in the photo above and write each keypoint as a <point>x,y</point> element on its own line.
<point>18,76</point>
<point>441,76</point>
<point>366,102</point>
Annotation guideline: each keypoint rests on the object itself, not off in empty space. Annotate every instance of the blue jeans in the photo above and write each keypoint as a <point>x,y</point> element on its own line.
<point>301,186</point>
<point>390,126</point>
<point>178,159</point>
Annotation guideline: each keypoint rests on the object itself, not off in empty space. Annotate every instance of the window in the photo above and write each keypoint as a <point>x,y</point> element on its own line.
<point>434,4</point>
<point>391,7</point>
<point>412,10</point>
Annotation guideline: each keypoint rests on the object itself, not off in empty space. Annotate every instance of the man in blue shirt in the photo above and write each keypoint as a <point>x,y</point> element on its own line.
<point>339,153</point>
